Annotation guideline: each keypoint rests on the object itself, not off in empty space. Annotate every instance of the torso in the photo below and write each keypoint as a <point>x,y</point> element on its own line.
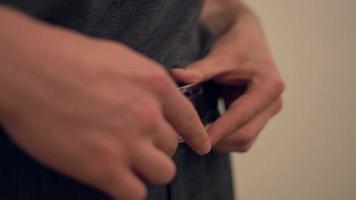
<point>165,30</point>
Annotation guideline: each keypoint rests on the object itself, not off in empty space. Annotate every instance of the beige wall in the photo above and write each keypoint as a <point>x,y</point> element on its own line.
<point>309,151</point>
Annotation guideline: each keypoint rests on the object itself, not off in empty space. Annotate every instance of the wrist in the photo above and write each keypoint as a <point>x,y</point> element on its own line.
<point>221,16</point>
<point>18,34</point>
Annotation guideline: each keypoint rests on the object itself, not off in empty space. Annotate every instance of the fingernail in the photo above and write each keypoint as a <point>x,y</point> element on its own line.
<point>178,69</point>
<point>207,126</point>
<point>206,147</point>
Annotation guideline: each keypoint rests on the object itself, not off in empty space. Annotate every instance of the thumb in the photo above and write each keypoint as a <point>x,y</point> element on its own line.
<point>198,71</point>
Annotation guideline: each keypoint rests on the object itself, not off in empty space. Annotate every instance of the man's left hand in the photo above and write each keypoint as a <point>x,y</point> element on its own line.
<point>239,57</point>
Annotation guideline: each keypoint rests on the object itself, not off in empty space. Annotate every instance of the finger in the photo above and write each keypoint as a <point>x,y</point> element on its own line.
<point>166,138</point>
<point>199,71</point>
<point>208,125</point>
<point>257,98</point>
<point>242,139</point>
<point>181,114</point>
<point>125,185</point>
<point>152,164</point>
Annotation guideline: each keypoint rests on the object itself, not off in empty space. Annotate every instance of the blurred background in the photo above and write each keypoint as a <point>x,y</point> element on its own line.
<point>309,150</point>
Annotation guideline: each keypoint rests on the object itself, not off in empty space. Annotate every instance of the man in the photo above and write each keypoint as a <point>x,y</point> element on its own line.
<point>85,91</point>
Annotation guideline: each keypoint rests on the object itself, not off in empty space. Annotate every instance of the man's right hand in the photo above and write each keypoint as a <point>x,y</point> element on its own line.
<point>92,109</point>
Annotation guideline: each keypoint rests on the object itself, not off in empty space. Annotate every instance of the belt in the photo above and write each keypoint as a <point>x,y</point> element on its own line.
<point>204,96</point>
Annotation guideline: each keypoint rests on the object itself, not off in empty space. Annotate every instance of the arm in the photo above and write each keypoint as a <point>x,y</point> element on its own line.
<point>72,102</point>
<point>220,16</point>
<point>233,17</point>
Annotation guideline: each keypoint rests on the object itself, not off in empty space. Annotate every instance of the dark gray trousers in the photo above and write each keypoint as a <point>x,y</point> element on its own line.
<point>198,178</point>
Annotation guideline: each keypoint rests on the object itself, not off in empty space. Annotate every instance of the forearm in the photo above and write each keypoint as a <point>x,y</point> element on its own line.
<point>220,16</point>
<point>18,34</point>
<point>17,28</point>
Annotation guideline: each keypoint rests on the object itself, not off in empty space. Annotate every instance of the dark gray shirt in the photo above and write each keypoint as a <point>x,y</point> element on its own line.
<point>165,30</point>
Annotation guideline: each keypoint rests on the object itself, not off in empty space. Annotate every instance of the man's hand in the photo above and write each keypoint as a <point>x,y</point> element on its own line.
<point>92,109</point>
<point>239,57</point>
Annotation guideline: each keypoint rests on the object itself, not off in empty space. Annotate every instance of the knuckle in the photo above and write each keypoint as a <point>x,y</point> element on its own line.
<point>246,139</point>
<point>170,172</point>
<point>245,117</point>
<point>162,174</point>
<point>242,145</point>
<point>104,176</point>
<point>272,83</point>
<point>127,192</point>
<point>151,122</point>
<point>279,105</point>
<point>243,137</point>
<point>278,86</point>
<point>159,81</point>
<point>244,149</point>
<point>111,153</point>
<point>168,143</point>
<point>137,194</point>
<point>147,113</point>
<point>166,176</point>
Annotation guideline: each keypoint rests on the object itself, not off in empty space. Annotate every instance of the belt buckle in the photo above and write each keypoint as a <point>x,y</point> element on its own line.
<point>192,90</point>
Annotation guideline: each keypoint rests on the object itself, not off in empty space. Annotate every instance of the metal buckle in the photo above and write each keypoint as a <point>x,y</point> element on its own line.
<point>192,90</point>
